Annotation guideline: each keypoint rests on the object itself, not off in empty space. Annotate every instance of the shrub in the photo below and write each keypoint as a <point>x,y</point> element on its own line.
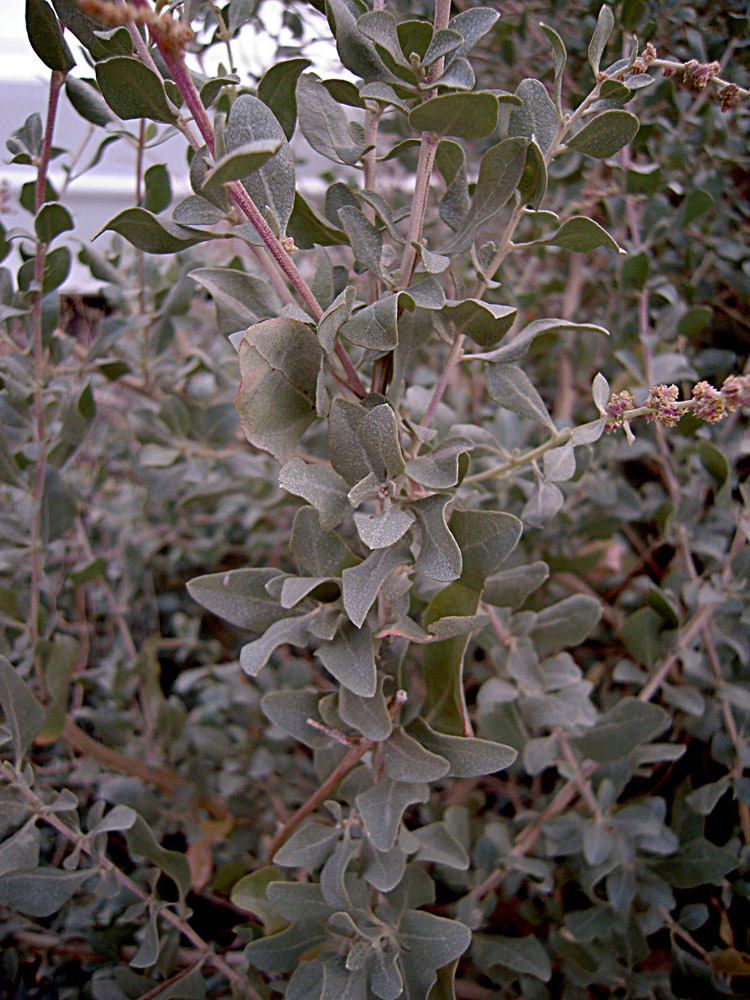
<point>484,553</point>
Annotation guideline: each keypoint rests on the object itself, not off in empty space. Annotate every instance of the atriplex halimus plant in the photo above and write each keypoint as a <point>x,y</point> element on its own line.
<point>382,340</point>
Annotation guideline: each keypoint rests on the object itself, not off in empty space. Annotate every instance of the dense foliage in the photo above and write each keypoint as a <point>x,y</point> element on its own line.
<point>422,668</point>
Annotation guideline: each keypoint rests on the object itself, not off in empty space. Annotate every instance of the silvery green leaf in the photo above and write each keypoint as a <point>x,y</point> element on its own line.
<point>24,716</point>
<point>197,211</point>
<point>544,503</point>
<point>241,162</point>
<point>148,950</point>
<point>332,319</point>
<point>407,760</point>
<point>271,186</point>
<point>332,877</point>
<point>465,115</point>
<point>241,294</point>
<point>452,626</point>
<point>374,327</point>
<point>118,818</point>
<point>350,658</point>
<point>308,846</point>
<point>348,456</point>
<point>597,842</point>
<point>366,242</point>
<point>385,869</point>
<point>362,583</point>
<point>696,862</point>
<point>435,941</point>
<point>239,596</point>
<point>517,347</point>
<point>378,433</point>
<point>277,90</point>
<point>455,203</point>
<point>509,588</point>
<point>320,486</point>
<point>381,28</point>
<point>580,235</point>
<point>604,25</point>
<point>366,489</point>
<point>438,845</point>
<point>42,891</point>
<point>526,955</point>
<point>46,37</point>
<point>369,716</point>
<point>628,724</point>
<point>439,469</point>
<point>382,806</point>
<point>324,124</point>
<point>485,322</point>
<point>537,118</point>
<point>434,263</point>
<point>357,53</point>
<point>281,952</point>
<point>255,655</point>
<point>605,135</point>
<point>134,90</point>
<point>443,42</point>
<point>141,841</point>
<point>386,981</point>
<point>383,94</point>
<point>458,76</point>
<point>472,24</point>
<point>147,232</point>
<point>318,552</point>
<point>439,555</point>
<point>468,757</point>
<point>533,183</point>
<point>486,539</point>
<point>290,899</point>
<point>559,56</point>
<point>512,389</point>
<point>279,364</point>
<point>21,851</point>
<point>539,754</point>
<point>500,171</point>
<point>296,588</point>
<point>379,531</point>
<point>566,623</point>
<point>559,464</point>
<point>427,294</point>
<point>588,433</point>
<point>290,710</point>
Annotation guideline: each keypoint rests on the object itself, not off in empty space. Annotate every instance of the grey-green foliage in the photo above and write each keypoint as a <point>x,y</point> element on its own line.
<point>467,635</point>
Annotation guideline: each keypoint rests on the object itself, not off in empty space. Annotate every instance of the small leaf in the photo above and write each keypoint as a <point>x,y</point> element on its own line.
<point>278,90</point>
<point>309,846</point>
<point>439,555</point>
<point>374,327</point>
<point>525,955</point>
<point>321,487</point>
<point>158,188</point>
<point>517,348</point>
<point>580,235</point>
<point>537,118</point>
<point>703,800</point>
<point>282,952</point>
<point>560,464</point>
<point>622,729</point>
<point>238,294</point>
<point>696,863</point>
<point>46,38</point>
<point>365,240</point>
<point>362,583</point>
<point>350,658</point>
<point>324,124</point>
<point>604,26</point>
<point>485,322</point>
<point>468,757</point>
<point>134,90</point>
<point>356,52</point>
<point>239,596</point>
<point>271,185</point>
<point>566,623</point>
<point>378,434</point>
<point>511,587</point>
<point>290,710</point>
<point>486,539</point>
<point>379,531</point>
<point>407,760</point>
<point>382,806</point>
<point>435,941</point>
<point>369,716</point>
<point>291,630</point>
<point>21,851</point>
<point>467,116</point>
<point>605,135</point>
<point>512,389</point>
<point>241,162</point>
<point>24,716</point>
<point>43,891</point>
<point>153,235</point>
<point>52,219</point>
<point>141,841</point>
<point>560,57</point>
<point>381,27</point>
<point>472,24</point>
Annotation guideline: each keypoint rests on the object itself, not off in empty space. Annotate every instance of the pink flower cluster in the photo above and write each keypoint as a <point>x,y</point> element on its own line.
<point>618,403</point>
<point>661,401</point>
